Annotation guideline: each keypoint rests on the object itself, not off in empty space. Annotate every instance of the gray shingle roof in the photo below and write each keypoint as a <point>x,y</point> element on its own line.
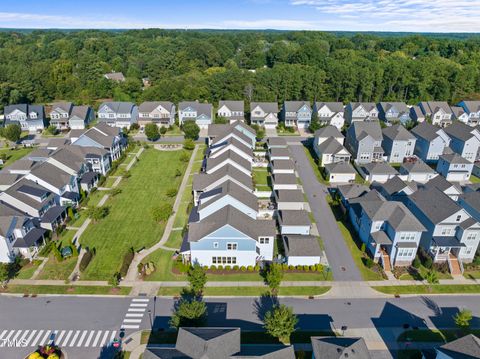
<point>64,106</point>
<point>115,76</point>
<point>80,111</point>
<point>434,204</point>
<point>467,347</point>
<point>267,107</point>
<point>339,348</point>
<point>220,137</point>
<point>460,131</point>
<point>231,189</point>
<point>330,146</point>
<point>7,179</point>
<point>200,108</point>
<point>340,167</point>
<point>294,218</point>
<point>282,165</point>
<point>417,166</point>
<point>434,106</point>
<point>401,107</point>
<point>231,216</point>
<point>68,158</point>
<point>379,168</point>
<point>473,106</point>
<point>232,141</point>
<point>200,343</point>
<point>279,152</point>
<point>328,131</point>
<point>397,133</point>
<point>362,129</point>
<point>290,195</point>
<point>265,351</point>
<point>20,189</point>
<point>472,199</point>
<point>352,190</point>
<point>301,246</point>
<point>51,174</point>
<point>426,131</point>
<point>118,107</point>
<point>149,106</point>
<point>277,141</point>
<point>442,184</point>
<point>455,158</point>
<point>38,109</point>
<point>203,180</point>
<point>392,186</point>
<point>368,106</point>
<point>332,106</point>
<point>284,178</point>
<point>232,105</point>
<point>242,162</point>
<point>294,106</point>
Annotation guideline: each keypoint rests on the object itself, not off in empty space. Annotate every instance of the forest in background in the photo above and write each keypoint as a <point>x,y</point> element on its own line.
<point>44,66</point>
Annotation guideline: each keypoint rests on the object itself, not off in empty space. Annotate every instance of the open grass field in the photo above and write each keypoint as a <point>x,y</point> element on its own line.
<point>129,222</point>
<point>15,154</point>
<point>27,270</point>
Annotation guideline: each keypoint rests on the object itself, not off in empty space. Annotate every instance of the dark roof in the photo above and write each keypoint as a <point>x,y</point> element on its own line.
<point>294,218</point>
<point>118,107</point>
<point>340,167</point>
<point>444,241</point>
<point>267,107</point>
<point>467,347</point>
<point>330,145</point>
<point>364,129</point>
<point>232,105</point>
<point>332,106</point>
<point>426,131</point>
<point>277,141</point>
<point>441,183</point>
<point>301,246</point>
<point>200,108</point>
<point>201,343</point>
<point>472,199</point>
<point>397,133</point>
<point>266,351</point>
<point>339,348</point>
<point>290,195</point>
<point>379,168</point>
<point>229,215</point>
<point>284,178</point>
<point>51,174</point>
<point>352,190</point>
<point>235,157</point>
<point>280,151</point>
<point>229,188</point>
<point>417,166</point>
<point>434,204</point>
<point>89,177</point>
<point>163,353</point>
<point>460,131</point>
<point>30,239</point>
<point>328,131</point>
<point>52,214</point>
<point>149,106</point>
<point>204,180</point>
<point>23,189</point>
<point>455,158</point>
<point>392,186</point>
<point>282,164</point>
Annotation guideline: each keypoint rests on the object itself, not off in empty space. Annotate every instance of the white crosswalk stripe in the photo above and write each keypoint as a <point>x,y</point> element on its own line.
<point>89,339</point>
<point>37,338</point>
<point>140,300</point>
<point>74,339</point>
<point>132,320</point>
<point>132,315</point>
<point>59,337</point>
<point>45,338</point>
<point>130,326</point>
<point>3,333</point>
<point>104,340</point>
<point>67,338</point>
<point>27,340</point>
<point>138,304</point>
<point>113,335</point>
<point>16,336</point>
<point>94,344</point>
<point>80,341</point>
<point>137,309</point>
<point>22,338</point>
<point>52,337</point>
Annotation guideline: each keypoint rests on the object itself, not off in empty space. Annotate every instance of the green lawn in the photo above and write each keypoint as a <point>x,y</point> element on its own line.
<point>314,163</point>
<point>261,179</point>
<point>174,240</point>
<point>422,272</point>
<point>95,197</point>
<point>174,131</point>
<point>248,291</point>
<point>129,223</point>
<point>163,267</point>
<point>27,270</point>
<point>355,250</point>
<point>64,289</point>
<point>434,335</point>
<point>77,222</point>
<point>109,181</point>
<point>15,154</point>
<point>282,132</point>
<point>472,274</point>
<point>58,270</point>
<point>474,179</point>
<point>428,289</point>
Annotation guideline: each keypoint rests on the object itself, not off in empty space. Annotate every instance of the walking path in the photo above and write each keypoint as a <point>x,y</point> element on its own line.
<point>40,268</point>
<point>133,271</point>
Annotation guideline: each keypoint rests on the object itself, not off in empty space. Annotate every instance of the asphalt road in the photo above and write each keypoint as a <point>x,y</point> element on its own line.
<point>338,255</point>
<point>86,314</point>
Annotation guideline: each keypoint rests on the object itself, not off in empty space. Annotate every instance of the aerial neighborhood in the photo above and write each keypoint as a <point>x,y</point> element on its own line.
<point>402,174</point>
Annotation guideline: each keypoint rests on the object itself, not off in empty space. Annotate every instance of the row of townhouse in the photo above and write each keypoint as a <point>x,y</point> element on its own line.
<point>454,149</point>
<point>300,245</point>
<point>396,218</point>
<point>36,190</point>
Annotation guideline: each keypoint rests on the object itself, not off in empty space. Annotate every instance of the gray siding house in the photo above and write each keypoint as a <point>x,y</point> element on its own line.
<point>364,141</point>
<point>118,114</point>
<point>465,140</point>
<point>361,112</point>
<point>162,113</point>
<point>439,112</point>
<point>431,141</point>
<point>330,113</point>
<point>264,114</point>
<point>31,118</point>
<point>472,108</point>
<point>398,143</point>
<point>393,112</point>
<point>231,110</point>
<point>296,113</point>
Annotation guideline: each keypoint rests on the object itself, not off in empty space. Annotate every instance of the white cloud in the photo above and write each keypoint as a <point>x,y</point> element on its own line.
<point>280,24</point>
<point>399,15</point>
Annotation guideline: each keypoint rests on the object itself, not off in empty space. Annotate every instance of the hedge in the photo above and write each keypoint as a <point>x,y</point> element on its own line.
<point>127,260</point>
<point>85,261</point>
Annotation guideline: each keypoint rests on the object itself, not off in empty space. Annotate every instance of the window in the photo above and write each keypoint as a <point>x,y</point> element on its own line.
<point>471,236</point>
<point>459,217</point>
<point>264,240</point>
<point>224,260</point>
<point>215,244</point>
<point>232,246</point>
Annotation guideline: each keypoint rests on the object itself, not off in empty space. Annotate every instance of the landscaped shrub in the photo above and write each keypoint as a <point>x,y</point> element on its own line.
<point>243,268</point>
<point>250,268</point>
<point>425,258</point>
<point>213,268</point>
<point>319,268</point>
<point>368,262</point>
<point>306,268</point>
<point>299,267</point>
<point>171,192</point>
<point>180,266</point>
<point>127,174</point>
<point>257,268</point>
<point>228,267</point>
<point>291,267</point>
<point>178,173</point>
<point>441,267</point>
<point>56,253</point>
<point>205,268</point>
<point>127,260</point>
<point>189,144</point>
<point>285,266</point>
<point>416,262</point>
<point>185,157</point>
<point>220,267</point>
<point>115,191</point>
<point>363,248</point>
<point>312,268</point>
<point>86,259</point>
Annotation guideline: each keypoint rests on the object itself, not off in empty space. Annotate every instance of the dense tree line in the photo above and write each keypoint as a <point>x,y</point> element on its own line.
<point>42,66</point>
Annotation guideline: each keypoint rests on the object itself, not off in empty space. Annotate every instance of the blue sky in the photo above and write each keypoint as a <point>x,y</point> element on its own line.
<point>352,15</point>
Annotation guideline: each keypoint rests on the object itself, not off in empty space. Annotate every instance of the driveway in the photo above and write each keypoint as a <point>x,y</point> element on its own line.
<point>271,132</point>
<point>338,255</point>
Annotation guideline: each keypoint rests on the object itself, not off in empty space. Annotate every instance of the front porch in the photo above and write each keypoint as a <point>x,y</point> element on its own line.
<point>29,246</point>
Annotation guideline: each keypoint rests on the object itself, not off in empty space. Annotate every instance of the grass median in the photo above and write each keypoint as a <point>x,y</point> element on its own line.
<point>435,335</point>
<point>65,289</point>
<point>429,289</point>
<point>248,291</point>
